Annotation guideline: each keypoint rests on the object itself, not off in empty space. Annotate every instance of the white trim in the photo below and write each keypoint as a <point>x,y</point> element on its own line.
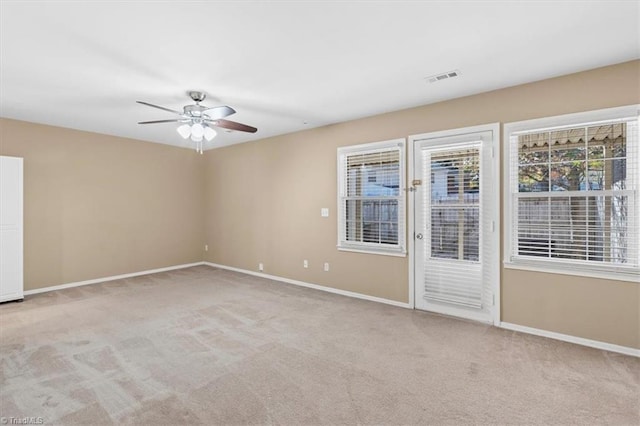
<point>495,240</point>
<point>372,147</point>
<point>497,222</point>
<point>460,313</point>
<point>396,253</point>
<point>411,240</point>
<point>111,278</point>
<point>547,123</point>
<point>312,286</point>
<point>566,269</point>
<point>399,249</point>
<point>572,339</point>
<point>456,132</point>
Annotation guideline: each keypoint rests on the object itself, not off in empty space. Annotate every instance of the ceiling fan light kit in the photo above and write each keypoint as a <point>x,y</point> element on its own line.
<point>197,120</point>
<point>184,131</point>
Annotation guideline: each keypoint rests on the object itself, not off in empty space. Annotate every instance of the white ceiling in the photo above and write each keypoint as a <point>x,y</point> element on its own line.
<point>283,64</point>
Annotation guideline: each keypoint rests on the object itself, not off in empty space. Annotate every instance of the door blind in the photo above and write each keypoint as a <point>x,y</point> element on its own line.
<point>453,212</point>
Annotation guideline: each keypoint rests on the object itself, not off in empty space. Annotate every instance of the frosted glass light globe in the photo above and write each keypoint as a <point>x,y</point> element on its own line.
<point>184,131</point>
<point>197,130</point>
<point>209,133</point>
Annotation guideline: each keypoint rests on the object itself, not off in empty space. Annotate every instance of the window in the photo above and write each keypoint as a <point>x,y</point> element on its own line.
<point>572,198</point>
<point>371,197</point>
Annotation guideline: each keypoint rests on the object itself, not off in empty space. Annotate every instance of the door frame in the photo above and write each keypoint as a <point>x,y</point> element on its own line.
<point>495,176</point>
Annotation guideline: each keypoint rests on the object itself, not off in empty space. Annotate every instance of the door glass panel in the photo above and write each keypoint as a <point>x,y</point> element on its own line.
<point>455,201</point>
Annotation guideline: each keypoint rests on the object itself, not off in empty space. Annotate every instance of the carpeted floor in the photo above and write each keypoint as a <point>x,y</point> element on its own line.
<point>209,346</point>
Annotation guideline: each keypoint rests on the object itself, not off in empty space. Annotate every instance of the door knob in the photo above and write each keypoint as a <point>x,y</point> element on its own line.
<point>419,236</point>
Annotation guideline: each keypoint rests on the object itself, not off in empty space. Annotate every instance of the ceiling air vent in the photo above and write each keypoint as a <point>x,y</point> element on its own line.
<point>443,76</point>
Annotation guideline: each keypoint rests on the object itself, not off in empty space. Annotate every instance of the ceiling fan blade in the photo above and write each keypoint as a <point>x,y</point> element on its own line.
<point>232,125</point>
<point>160,107</point>
<point>160,121</point>
<point>219,112</point>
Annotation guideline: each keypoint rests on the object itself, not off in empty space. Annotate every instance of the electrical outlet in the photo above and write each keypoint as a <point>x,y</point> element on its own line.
<point>305,263</point>
<point>260,267</point>
<point>206,247</point>
<point>324,212</point>
<point>326,266</point>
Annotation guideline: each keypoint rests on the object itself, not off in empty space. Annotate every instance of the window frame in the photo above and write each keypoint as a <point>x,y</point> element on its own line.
<point>559,266</point>
<point>398,249</point>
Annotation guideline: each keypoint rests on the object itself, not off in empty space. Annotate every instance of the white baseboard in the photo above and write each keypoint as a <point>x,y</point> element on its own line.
<point>313,286</point>
<point>111,278</point>
<point>572,339</point>
<point>506,325</point>
<point>514,327</point>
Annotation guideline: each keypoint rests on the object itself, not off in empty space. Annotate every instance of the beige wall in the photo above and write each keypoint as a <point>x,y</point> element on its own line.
<point>602,310</point>
<point>263,205</point>
<point>98,206</point>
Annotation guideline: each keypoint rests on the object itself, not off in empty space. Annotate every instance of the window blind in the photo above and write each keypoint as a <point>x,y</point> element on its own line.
<point>574,194</point>
<point>371,197</point>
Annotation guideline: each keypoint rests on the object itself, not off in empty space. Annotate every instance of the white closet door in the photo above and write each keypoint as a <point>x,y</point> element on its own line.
<point>11,278</point>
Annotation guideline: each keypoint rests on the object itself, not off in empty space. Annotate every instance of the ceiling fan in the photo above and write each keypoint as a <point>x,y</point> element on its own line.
<point>199,120</point>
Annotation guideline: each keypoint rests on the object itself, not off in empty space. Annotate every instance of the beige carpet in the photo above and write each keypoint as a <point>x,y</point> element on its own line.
<point>208,346</point>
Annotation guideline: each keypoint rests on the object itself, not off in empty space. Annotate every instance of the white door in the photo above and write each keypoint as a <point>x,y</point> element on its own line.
<point>456,247</point>
<point>10,229</point>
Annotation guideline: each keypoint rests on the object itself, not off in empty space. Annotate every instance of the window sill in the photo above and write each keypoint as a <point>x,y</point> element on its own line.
<point>365,250</point>
<point>629,275</point>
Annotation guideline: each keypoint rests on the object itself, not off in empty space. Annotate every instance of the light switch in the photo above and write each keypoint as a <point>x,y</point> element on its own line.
<point>324,212</point>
